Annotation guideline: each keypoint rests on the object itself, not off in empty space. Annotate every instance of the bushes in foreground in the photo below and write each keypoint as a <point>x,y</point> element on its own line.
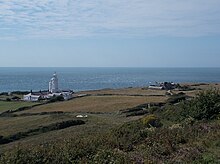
<point>151,121</point>
<point>205,106</point>
<point>129,143</point>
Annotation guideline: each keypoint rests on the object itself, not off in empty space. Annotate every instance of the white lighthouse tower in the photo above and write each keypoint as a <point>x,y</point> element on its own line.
<point>53,84</point>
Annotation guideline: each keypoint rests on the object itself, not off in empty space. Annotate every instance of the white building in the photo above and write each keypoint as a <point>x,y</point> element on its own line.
<point>66,94</point>
<point>53,84</point>
<point>155,87</point>
<point>31,97</point>
<point>53,91</point>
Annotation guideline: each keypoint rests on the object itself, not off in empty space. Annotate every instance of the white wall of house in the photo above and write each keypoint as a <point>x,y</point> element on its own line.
<point>31,97</point>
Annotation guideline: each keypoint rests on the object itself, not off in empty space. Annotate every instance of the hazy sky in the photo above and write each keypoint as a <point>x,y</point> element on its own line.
<point>110,33</point>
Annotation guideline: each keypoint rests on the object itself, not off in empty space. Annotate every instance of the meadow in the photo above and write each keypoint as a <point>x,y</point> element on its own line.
<point>120,127</point>
<point>12,105</point>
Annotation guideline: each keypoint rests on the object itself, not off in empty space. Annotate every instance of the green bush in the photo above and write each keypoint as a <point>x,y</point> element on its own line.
<point>172,113</point>
<point>8,99</point>
<point>205,106</point>
<point>15,98</point>
<point>110,156</point>
<point>177,98</point>
<point>138,113</point>
<point>185,88</point>
<point>20,92</point>
<point>56,99</point>
<point>151,121</point>
<point>125,136</point>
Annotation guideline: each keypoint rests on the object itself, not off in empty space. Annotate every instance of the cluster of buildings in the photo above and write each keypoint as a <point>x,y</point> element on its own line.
<point>52,92</point>
<point>163,86</point>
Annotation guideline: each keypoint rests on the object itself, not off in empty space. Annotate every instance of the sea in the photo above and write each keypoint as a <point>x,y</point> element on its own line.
<point>80,79</point>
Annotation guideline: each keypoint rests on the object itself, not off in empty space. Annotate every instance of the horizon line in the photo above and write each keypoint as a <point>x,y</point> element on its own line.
<point>100,67</point>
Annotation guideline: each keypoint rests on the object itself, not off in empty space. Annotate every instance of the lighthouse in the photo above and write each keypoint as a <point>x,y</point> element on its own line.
<point>53,91</point>
<point>53,84</point>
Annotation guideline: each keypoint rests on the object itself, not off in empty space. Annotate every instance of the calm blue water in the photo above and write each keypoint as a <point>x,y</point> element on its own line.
<point>78,79</point>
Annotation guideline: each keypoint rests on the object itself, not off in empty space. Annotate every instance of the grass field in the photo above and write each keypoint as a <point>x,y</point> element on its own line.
<point>101,106</point>
<point>96,104</point>
<point>12,105</point>
<point>127,91</point>
<point>4,97</point>
<point>95,124</point>
<point>20,124</point>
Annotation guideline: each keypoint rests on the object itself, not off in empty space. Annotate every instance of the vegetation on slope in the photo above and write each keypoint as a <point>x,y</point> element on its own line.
<point>39,130</point>
<point>13,105</point>
<point>179,133</point>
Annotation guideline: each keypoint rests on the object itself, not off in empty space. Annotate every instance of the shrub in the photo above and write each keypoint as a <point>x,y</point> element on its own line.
<point>1,138</point>
<point>110,156</point>
<point>8,99</point>
<point>56,98</point>
<point>125,136</point>
<point>137,113</point>
<point>20,92</point>
<point>177,98</point>
<point>173,113</point>
<point>15,98</point>
<point>135,109</point>
<point>4,93</point>
<point>151,121</point>
<point>185,88</point>
<point>154,109</point>
<point>205,106</point>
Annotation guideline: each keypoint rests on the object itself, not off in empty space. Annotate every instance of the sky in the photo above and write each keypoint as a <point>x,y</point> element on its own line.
<point>109,33</point>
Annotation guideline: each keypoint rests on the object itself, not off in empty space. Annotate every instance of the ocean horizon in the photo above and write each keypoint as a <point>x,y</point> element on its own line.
<point>93,78</point>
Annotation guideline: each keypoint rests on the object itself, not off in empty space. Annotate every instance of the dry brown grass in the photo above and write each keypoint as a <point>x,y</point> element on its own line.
<point>127,91</point>
<point>203,86</point>
<point>149,92</point>
<point>198,87</point>
<point>96,104</point>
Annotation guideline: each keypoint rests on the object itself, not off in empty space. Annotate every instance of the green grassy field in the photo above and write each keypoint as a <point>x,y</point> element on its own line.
<point>96,104</point>
<point>101,110</point>
<point>20,124</point>
<point>12,105</point>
